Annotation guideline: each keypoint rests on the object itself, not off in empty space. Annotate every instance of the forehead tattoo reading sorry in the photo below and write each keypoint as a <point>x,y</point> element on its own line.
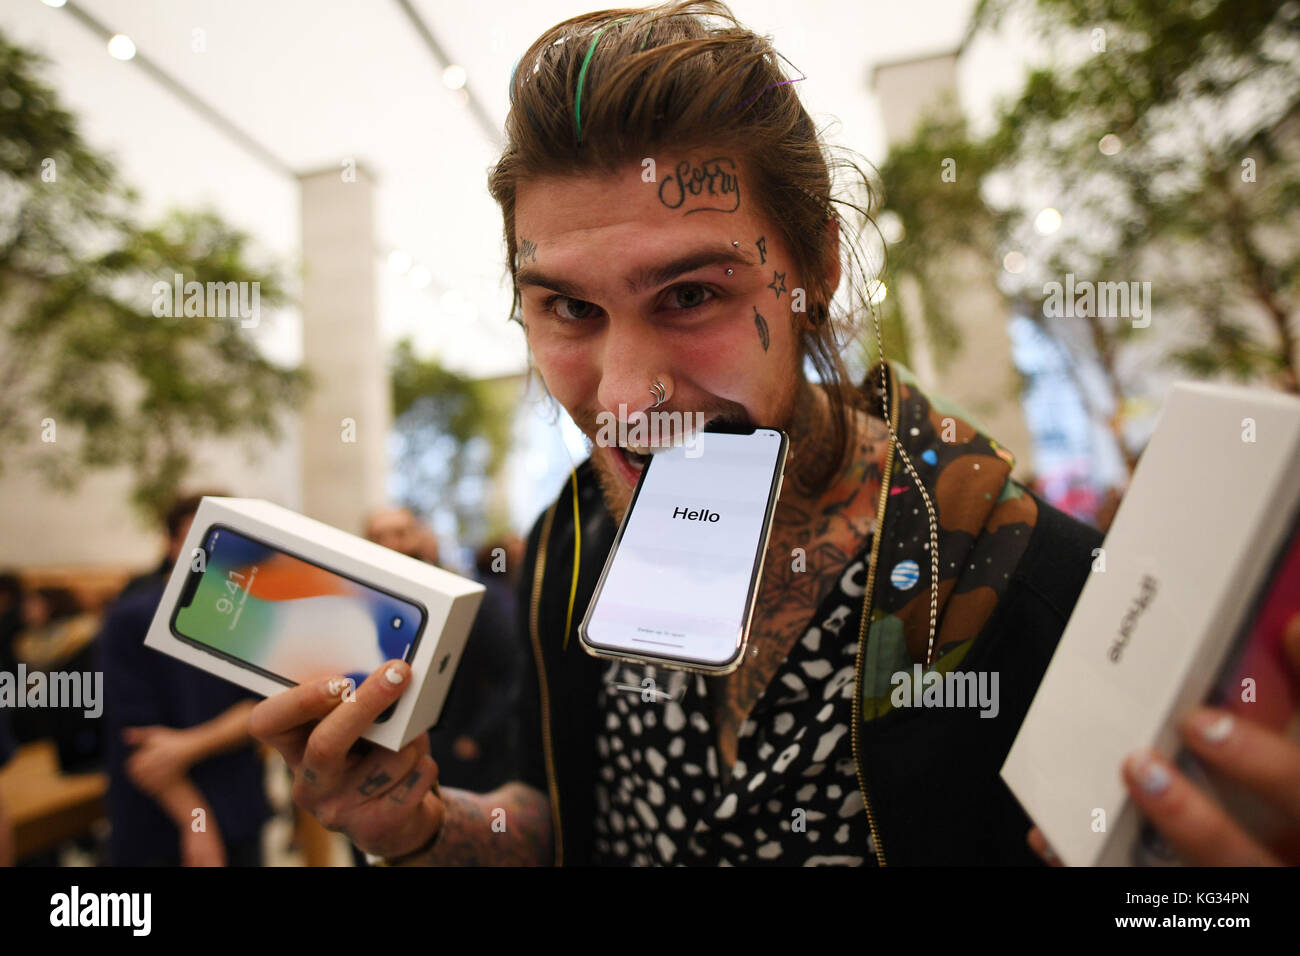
<point>694,186</point>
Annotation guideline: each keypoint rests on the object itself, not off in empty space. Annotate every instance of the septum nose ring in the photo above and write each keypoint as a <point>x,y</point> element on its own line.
<point>659,392</point>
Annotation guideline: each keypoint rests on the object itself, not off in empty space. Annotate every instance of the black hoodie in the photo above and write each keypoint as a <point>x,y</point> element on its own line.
<point>1011,568</point>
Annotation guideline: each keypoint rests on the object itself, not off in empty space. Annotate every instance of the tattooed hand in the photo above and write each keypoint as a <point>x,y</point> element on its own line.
<point>386,803</point>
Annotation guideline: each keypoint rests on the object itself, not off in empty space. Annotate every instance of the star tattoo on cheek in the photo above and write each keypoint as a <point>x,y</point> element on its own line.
<point>761,324</point>
<point>777,284</point>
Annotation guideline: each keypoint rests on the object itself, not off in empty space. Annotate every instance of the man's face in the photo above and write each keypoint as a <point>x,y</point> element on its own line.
<point>625,281</point>
<point>398,530</point>
<point>177,540</point>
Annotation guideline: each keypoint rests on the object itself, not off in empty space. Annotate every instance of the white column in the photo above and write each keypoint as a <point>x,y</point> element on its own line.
<point>981,377</point>
<point>345,422</point>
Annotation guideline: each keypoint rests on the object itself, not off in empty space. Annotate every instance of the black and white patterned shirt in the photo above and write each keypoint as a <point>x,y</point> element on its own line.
<point>791,799</point>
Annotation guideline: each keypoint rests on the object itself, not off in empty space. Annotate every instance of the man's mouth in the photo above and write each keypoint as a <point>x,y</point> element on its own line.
<point>630,461</point>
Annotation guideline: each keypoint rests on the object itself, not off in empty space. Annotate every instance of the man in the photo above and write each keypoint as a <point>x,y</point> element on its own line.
<point>399,530</point>
<point>185,780</point>
<point>669,226</point>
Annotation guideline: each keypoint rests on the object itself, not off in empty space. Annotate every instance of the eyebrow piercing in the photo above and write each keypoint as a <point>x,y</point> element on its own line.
<point>731,271</point>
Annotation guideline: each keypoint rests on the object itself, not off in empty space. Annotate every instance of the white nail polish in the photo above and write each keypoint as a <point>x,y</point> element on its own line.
<point>394,675</point>
<point>335,685</point>
<point>1151,776</point>
<point>1218,731</point>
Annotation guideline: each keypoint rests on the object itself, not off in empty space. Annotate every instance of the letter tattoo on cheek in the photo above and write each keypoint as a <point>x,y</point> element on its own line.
<point>761,324</point>
<point>777,277</point>
<point>761,242</point>
<point>712,186</point>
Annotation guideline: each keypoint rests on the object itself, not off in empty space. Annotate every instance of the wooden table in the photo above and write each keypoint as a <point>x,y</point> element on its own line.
<point>44,806</point>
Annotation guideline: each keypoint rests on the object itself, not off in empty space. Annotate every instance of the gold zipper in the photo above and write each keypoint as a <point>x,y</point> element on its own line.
<point>551,783</point>
<point>866,618</point>
<point>535,605</point>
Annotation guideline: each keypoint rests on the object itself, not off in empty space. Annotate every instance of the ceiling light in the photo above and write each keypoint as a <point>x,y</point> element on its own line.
<point>454,77</point>
<point>400,262</point>
<point>120,47</point>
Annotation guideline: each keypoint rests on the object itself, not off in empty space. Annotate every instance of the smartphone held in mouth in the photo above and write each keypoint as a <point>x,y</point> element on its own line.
<point>679,585</point>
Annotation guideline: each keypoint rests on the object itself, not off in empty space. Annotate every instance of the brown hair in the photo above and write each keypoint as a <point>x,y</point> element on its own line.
<point>185,507</point>
<point>603,89</point>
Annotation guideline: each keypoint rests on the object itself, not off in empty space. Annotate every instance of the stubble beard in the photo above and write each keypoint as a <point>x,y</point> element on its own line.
<point>795,411</point>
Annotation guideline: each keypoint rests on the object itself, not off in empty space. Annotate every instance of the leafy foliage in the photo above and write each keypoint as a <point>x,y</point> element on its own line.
<point>1199,193</point>
<point>81,343</point>
<point>454,435</point>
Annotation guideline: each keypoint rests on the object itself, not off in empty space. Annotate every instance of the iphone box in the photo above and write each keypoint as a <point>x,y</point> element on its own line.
<point>1185,605</point>
<point>267,598</point>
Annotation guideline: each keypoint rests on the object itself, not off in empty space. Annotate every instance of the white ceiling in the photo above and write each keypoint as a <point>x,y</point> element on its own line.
<point>318,81</point>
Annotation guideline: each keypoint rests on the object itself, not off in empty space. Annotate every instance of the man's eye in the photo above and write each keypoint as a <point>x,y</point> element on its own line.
<point>571,309</point>
<point>689,296</point>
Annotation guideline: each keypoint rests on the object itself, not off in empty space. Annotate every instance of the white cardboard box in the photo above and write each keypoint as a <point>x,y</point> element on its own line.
<point>449,601</point>
<point>1211,501</point>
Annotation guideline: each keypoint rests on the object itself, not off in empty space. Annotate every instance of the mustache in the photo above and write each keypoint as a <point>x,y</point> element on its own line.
<point>728,414</point>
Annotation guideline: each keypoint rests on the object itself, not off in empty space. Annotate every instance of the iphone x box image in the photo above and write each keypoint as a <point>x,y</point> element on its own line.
<point>1185,605</point>
<point>268,598</point>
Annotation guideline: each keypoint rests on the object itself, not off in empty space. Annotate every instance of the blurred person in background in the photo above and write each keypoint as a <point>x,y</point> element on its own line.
<point>474,739</point>
<point>398,529</point>
<point>11,617</point>
<point>185,779</point>
<point>8,747</point>
<point>11,596</point>
<point>57,638</point>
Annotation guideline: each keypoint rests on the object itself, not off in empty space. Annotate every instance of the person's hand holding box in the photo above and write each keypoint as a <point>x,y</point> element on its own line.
<point>386,803</point>
<point>1261,760</point>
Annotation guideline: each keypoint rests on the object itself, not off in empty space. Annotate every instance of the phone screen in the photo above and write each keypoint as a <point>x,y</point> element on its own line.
<point>288,618</point>
<point>681,578</point>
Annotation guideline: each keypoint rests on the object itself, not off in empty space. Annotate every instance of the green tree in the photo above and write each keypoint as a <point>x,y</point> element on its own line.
<point>453,434</point>
<point>1168,135</point>
<point>82,348</point>
<point>1170,131</point>
<point>934,213</point>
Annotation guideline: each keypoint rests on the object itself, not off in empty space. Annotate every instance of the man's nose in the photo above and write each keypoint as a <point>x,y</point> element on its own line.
<point>632,359</point>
